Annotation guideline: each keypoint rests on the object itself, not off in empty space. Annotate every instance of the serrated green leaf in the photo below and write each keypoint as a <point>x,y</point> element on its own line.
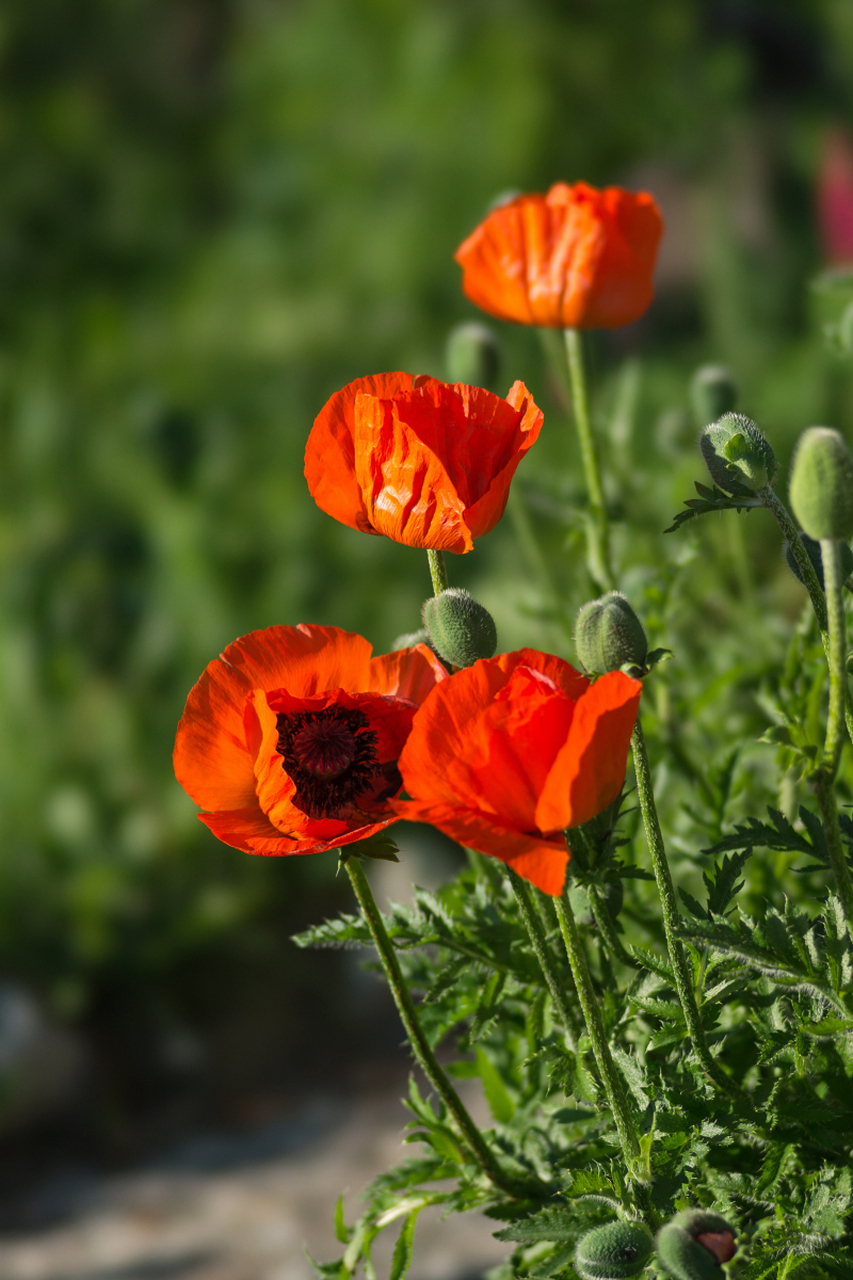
<point>401,1258</point>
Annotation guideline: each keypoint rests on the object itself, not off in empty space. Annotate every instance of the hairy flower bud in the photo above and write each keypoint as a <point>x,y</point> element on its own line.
<point>713,392</point>
<point>460,629</point>
<point>614,1251</point>
<point>737,454</point>
<point>472,355</point>
<point>409,639</point>
<point>609,635</point>
<point>822,484</point>
<point>695,1244</point>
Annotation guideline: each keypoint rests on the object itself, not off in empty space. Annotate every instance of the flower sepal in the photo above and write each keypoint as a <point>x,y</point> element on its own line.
<point>379,846</point>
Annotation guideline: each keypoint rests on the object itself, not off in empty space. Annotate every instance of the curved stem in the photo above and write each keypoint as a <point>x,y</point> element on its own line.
<point>438,571</point>
<point>421,1047</point>
<point>811,581</point>
<point>529,914</point>
<point>671,919</point>
<point>599,530</point>
<point>607,928</point>
<point>610,1077</point>
<point>834,728</point>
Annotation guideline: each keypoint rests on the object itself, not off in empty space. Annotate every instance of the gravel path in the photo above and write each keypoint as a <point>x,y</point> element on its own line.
<point>241,1207</point>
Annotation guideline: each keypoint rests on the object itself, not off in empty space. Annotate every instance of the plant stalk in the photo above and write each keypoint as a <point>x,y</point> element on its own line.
<point>671,919</point>
<point>438,571</point>
<point>598,532</point>
<point>610,1077</point>
<point>825,775</point>
<point>811,580</point>
<point>421,1047</point>
<point>533,923</point>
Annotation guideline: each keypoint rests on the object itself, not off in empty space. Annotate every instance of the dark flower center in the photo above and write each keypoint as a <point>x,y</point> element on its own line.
<point>330,755</point>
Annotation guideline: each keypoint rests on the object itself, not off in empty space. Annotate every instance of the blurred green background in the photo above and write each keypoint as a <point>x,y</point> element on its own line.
<point>213,214</point>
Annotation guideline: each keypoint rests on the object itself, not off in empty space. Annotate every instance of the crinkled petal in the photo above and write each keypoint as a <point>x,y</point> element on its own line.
<point>250,831</point>
<point>406,673</point>
<point>330,452</point>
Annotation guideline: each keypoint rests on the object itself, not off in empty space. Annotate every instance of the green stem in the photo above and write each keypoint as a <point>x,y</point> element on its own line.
<point>610,1078</point>
<point>599,530</point>
<point>671,919</point>
<point>811,580</point>
<point>529,914</point>
<point>607,928</point>
<point>834,728</point>
<point>438,571</point>
<point>421,1047</point>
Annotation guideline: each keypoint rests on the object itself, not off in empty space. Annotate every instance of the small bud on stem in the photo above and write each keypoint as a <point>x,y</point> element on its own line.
<point>460,629</point>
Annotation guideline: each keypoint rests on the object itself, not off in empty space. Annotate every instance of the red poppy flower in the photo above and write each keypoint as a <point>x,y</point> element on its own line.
<point>509,753</point>
<point>291,738</point>
<point>576,258</point>
<point>426,463</point>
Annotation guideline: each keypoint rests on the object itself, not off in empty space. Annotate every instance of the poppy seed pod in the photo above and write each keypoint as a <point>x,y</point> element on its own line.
<point>713,392</point>
<point>821,487</point>
<point>460,629</point>
<point>737,454</point>
<point>614,1251</point>
<point>609,635</point>
<point>695,1244</point>
<point>473,355</point>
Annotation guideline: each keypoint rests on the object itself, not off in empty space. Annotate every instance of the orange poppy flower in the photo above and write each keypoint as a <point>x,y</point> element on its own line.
<point>509,753</point>
<point>576,258</point>
<point>425,462</point>
<point>291,738</point>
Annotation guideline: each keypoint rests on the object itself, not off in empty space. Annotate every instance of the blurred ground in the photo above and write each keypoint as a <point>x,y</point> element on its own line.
<point>239,1206</point>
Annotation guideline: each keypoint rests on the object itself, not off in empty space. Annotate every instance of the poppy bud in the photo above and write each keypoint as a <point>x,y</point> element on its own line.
<point>409,639</point>
<point>613,1251</point>
<point>821,487</point>
<point>472,355</point>
<point>737,454</point>
<point>460,629</point>
<point>609,635</point>
<point>713,392</point>
<point>695,1244</point>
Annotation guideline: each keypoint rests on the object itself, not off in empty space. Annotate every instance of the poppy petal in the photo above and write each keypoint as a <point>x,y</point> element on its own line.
<point>541,861</point>
<point>330,451</point>
<point>484,514</point>
<point>406,673</point>
<point>211,758</point>
<point>251,832</point>
<point>407,492</point>
<point>590,769</point>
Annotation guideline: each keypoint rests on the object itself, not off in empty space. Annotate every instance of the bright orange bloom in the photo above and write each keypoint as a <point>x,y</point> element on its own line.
<point>576,258</point>
<point>426,463</point>
<point>509,753</point>
<point>291,738</point>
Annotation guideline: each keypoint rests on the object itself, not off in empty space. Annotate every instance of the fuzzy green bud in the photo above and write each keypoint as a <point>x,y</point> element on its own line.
<point>713,392</point>
<point>737,454</point>
<point>472,355</point>
<point>409,639</point>
<point>609,635</point>
<point>460,629</point>
<point>617,1250</point>
<point>821,488</point>
<point>695,1244</point>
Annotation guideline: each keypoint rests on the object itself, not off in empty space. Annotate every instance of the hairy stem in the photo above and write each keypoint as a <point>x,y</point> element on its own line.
<point>438,571</point>
<point>811,580</point>
<point>671,919</point>
<point>598,532</point>
<point>533,923</point>
<point>610,1077</point>
<point>421,1047</point>
<point>825,776</point>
